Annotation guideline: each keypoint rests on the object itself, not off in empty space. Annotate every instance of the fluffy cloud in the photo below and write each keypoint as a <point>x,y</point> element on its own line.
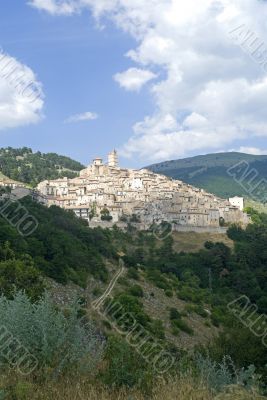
<point>56,7</point>
<point>213,92</point>
<point>252,150</point>
<point>134,78</point>
<point>21,96</point>
<point>87,116</point>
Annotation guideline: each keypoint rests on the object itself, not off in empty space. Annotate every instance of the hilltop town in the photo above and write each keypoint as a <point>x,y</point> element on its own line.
<point>105,193</point>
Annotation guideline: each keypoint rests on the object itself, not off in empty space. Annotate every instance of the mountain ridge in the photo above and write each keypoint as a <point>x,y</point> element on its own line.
<point>209,171</point>
<point>27,166</point>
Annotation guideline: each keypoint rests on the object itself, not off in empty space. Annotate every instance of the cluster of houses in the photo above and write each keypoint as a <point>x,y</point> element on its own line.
<point>10,183</point>
<point>105,194</point>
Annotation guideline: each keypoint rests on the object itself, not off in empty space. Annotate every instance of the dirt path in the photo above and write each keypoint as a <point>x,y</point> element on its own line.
<point>98,302</point>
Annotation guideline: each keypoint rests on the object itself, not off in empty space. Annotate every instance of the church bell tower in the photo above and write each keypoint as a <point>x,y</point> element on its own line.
<point>113,159</point>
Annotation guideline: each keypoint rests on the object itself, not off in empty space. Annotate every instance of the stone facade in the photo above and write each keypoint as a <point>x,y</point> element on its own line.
<point>137,196</point>
<point>237,201</point>
<point>6,182</point>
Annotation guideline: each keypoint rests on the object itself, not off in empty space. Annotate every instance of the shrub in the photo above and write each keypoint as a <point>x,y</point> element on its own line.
<point>190,308</point>
<point>175,331</point>
<point>157,328</point>
<point>189,294</point>
<point>168,293</point>
<point>218,375</point>
<point>215,320</point>
<point>58,341</point>
<point>105,215</point>
<point>125,367</point>
<point>97,291</point>
<point>123,281</point>
<point>132,273</point>
<point>20,274</point>
<point>136,291</point>
<point>135,219</point>
<point>182,325</point>
<point>123,218</point>
<point>200,311</point>
<point>130,304</point>
<point>174,314</point>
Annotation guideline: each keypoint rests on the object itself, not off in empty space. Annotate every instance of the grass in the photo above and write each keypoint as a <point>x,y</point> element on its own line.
<point>193,242</point>
<point>256,205</point>
<point>2,176</point>
<point>76,389</point>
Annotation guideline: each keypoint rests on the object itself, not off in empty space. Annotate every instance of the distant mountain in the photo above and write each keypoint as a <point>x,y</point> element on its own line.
<point>211,172</point>
<point>26,166</point>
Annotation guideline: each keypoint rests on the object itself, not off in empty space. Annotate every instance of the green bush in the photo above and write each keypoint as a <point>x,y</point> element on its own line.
<point>132,273</point>
<point>168,292</point>
<point>189,294</point>
<point>174,314</point>
<point>20,274</point>
<point>57,341</point>
<point>123,281</point>
<point>175,331</point>
<point>157,328</point>
<point>125,367</point>
<point>97,292</point>
<point>136,291</point>
<point>218,375</point>
<point>182,325</point>
<point>131,304</point>
<point>190,308</point>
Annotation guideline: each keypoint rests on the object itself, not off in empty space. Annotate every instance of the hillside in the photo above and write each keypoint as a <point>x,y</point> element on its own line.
<point>210,171</point>
<point>26,166</point>
<point>178,298</point>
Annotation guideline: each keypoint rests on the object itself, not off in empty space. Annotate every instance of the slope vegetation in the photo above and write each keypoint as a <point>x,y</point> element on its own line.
<point>26,166</point>
<point>210,172</point>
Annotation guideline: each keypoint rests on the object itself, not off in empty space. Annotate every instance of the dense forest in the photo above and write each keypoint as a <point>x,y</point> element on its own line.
<point>65,249</point>
<point>26,166</point>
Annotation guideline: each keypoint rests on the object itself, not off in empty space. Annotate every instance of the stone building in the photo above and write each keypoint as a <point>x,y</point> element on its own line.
<point>137,195</point>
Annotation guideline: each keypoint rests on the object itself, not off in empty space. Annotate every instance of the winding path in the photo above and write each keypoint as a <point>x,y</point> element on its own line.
<point>97,303</point>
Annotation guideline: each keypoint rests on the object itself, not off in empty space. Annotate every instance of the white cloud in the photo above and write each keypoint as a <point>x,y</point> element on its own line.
<point>134,78</point>
<point>211,93</point>
<point>21,96</point>
<point>57,7</point>
<point>87,116</point>
<point>252,150</point>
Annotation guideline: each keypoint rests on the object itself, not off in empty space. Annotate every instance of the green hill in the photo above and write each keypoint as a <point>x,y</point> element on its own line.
<point>215,172</point>
<point>176,300</point>
<point>26,166</point>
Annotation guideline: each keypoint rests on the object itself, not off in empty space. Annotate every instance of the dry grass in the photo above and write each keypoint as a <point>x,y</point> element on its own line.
<point>193,242</point>
<point>177,389</point>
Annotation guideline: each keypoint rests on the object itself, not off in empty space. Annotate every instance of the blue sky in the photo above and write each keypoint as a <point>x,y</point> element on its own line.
<point>75,61</point>
<point>164,79</point>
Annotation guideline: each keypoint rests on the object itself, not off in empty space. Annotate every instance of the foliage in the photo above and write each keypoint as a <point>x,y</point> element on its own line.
<point>210,172</point>
<point>62,247</point>
<point>233,340</point>
<point>136,290</point>
<point>218,375</point>
<point>57,340</point>
<point>20,274</point>
<point>174,314</point>
<point>132,273</point>
<point>125,366</point>
<point>25,166</point>
<point>105,215</point>
<point>135,219</point>
<point>179,324</point>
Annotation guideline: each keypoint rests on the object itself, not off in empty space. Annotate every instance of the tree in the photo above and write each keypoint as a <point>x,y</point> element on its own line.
<point>20,274</point>
<point>105,215</point>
